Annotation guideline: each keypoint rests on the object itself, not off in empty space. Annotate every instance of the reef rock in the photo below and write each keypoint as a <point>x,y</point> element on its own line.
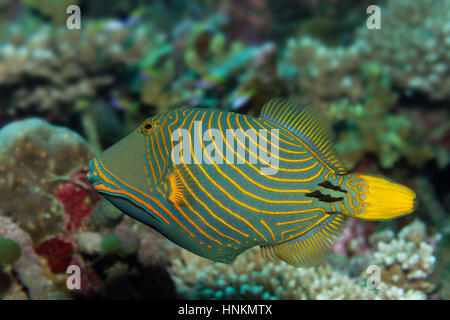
<point>36,159</point>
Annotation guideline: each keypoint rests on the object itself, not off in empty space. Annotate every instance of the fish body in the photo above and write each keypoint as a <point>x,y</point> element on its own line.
<point>218,183</point>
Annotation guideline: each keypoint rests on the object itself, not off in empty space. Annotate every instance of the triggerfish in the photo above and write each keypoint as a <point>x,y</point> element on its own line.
<point>218,183</point>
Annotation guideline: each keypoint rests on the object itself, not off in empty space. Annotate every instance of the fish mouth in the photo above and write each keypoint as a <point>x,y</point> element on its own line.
<point>132,201</point>
<point>99,180</point>
<point>93,176</point>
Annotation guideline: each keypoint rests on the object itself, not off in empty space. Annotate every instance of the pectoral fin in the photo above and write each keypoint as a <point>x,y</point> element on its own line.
<point>179,186</point>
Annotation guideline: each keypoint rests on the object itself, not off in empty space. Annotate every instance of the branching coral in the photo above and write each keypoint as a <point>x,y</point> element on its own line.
<point>321,73</point>
<point>414,44</point>
<point>47,69</point>
<point>408,261</point>
<point>372,126</point>
<point>212,60</point>
<point>253,277</point>
<point>260,83</point>
<point>209,53</point>
<point>52,9</point>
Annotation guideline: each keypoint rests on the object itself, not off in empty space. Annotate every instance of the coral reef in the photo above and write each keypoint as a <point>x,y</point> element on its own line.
<point>386,92</point>
<point>371,127</point>
<point>77,198</point>
<point>51,9</point>
<point>322,74</point>
<point>36,164</point>
<point>413,45</point>
<point>405,265</point>
<point>56,220</point>
<point>408,261</point>
<point>54,68</point>
<point>29,268</point>
<point>57,252</point>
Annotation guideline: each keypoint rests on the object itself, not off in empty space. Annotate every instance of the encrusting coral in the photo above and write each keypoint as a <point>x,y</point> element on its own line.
<point>37,161</point>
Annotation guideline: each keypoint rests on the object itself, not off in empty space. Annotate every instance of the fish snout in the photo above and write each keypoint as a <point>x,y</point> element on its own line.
<point>93,176</point>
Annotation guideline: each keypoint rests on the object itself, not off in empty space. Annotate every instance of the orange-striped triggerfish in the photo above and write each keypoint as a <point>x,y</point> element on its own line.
<point>197,176</point>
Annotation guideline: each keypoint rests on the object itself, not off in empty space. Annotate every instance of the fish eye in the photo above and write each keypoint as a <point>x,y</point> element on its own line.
<point>148,127</point>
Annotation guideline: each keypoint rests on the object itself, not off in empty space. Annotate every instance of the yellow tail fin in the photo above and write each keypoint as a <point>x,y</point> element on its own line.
<point>385,199</point>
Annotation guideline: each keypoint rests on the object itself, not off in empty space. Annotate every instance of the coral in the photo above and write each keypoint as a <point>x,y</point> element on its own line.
<point>259,84</point>
<point>9,251</point>
<point>53,9</point>
<point>321,73</point>
<point>35,159</point>
<point>354,238</point>
<point>155,250</point>
<point>158,88</point>
<point>34,279</point>
<point>128,236</point>
<point>210,54</point>
<point>212,60</point>
<point>78,198</point>
<point>58,253</point>
<point>88,242</point>
<point>249,20</point>
<point>206,73</point>
<point>372,127</point>
<point>413,44</point>
<point>253,277</point>
<point>408,261</point>
<point>60,74</point>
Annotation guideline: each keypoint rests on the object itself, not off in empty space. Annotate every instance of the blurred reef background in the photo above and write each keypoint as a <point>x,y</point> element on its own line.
<point>67,94</point>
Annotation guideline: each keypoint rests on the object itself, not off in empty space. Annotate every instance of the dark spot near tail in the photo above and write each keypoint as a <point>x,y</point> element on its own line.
<point>329,185</point>
<point>323,197</point>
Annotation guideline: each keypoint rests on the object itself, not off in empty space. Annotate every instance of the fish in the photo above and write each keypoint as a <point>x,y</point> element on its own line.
<point>218,183</point>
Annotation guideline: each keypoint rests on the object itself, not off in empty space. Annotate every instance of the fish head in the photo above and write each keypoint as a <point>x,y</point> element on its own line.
<point>122,174</point>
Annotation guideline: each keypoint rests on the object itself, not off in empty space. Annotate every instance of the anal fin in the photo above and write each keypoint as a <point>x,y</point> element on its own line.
<point>308,249</point>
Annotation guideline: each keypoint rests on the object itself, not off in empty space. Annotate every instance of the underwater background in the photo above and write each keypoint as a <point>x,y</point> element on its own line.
<point>66,95</point>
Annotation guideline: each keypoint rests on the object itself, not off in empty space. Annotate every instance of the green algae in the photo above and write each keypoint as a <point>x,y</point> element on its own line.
<point>110,244</point>
<point>9,251</point>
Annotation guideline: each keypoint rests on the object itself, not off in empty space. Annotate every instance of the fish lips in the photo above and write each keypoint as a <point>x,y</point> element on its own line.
<point>93,176</point>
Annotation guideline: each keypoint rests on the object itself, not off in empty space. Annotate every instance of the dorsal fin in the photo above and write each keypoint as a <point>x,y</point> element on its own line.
<point>309,124</point>
<point>308,249</point>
